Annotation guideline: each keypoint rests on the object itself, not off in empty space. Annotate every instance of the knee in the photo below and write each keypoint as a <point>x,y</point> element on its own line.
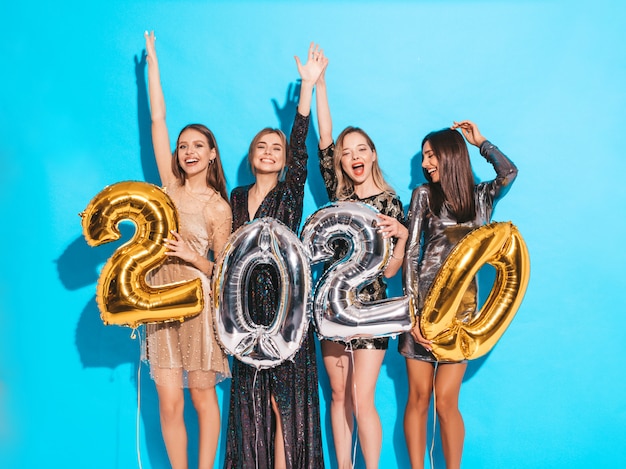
<point>171,409</point>
<point>203,399</point>
<point>338,394</point>
<point>446,405</point>
<point>419,399</point>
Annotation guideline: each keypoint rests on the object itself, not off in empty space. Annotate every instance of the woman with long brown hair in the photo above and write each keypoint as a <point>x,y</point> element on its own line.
<point>442,211</point>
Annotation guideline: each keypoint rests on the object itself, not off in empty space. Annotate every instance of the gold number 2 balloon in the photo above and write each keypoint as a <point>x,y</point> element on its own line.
<point>123,295</point>
<point>499,244</point>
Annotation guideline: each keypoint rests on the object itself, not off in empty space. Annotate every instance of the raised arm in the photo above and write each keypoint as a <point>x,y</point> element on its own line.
<point>160,136</point>
<point>506,171</point>
<point>324,120</point>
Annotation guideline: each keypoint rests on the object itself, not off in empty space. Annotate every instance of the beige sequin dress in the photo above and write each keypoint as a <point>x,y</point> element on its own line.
<point>187,354</point>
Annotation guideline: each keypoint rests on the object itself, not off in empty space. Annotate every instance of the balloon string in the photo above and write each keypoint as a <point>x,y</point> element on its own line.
<point>432,441</point>
<point>138,416</point>
<point>355,402</point>
<point>256,431</point>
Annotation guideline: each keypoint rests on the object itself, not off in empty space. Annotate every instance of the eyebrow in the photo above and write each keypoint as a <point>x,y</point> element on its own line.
<point>275,144</point>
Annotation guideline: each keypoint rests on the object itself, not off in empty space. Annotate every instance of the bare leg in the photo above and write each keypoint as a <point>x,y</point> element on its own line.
<point>171,406</point>
<point>207,408</point>
<point>337,363</point>
<point>420,377</point>
<point>367,365</point>
<point>447,388</point>
<point>280,461</point>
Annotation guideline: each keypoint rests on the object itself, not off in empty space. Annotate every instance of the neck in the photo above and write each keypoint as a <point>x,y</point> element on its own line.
<point>197,183</point>
<point>367,189</point>
<point>264,183</point>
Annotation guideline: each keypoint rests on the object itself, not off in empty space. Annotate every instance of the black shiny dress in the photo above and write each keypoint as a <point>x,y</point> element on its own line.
<point>293,384</point>
<point>386,203</point>
<point>432,236</point>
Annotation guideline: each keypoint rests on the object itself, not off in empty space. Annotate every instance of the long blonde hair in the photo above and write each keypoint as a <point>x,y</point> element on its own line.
<point>345,185</point>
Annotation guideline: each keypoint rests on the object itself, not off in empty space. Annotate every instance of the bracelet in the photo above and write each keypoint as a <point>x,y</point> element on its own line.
<point>397,258</point>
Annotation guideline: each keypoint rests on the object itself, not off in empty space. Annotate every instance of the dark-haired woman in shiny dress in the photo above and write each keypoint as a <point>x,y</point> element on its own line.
<point>442,212</point>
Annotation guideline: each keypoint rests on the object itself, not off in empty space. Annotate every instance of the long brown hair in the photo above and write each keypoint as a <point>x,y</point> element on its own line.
<point>215,173</point>
<point>455,188</point>
<point>345,185</point>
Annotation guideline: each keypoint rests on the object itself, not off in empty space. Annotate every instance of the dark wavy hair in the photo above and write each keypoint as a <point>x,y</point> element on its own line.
<point>215,174</point>
<point>455,188</point>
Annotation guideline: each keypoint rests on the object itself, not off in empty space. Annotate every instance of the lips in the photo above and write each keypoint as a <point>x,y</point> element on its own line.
<point>358,169</point>
<point>191,160</point>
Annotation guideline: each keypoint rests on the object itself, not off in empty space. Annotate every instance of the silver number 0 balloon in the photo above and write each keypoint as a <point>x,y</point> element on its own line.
<point>337,311</point>
<point>264,241</point>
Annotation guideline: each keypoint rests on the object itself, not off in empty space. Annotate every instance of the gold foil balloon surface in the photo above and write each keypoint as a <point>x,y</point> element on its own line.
<point>500,245</point>
<point>123,295</point>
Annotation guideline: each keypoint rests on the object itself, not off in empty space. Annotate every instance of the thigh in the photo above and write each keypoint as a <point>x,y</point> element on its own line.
<point>367,363</point>
<point>337,362</point>
<point>449,379</point>
<point>420,375</point>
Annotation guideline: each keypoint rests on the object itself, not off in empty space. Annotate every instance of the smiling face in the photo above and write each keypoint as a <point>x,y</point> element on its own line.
<point>430,163</point>
<point>357,158</point>
<point>267,154</point>
<point>193,152</point>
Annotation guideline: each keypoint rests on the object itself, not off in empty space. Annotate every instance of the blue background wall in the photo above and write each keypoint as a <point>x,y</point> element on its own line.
<point>545,81</point>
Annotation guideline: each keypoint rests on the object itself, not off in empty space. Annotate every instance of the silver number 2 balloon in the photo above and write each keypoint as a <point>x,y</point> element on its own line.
<point>338,312</point>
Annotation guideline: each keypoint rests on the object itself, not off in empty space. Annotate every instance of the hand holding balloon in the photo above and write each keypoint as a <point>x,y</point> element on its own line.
<point>177,247</point>
<point>390,227</point>
<point>416,333</point>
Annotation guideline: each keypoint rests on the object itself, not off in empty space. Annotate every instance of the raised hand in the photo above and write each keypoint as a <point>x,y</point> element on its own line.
<point>150,48</point>
<point>314,66</point>
<point>470,132</point>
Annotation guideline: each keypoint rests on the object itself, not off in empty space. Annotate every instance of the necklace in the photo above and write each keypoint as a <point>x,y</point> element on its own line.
<point>198,195</point>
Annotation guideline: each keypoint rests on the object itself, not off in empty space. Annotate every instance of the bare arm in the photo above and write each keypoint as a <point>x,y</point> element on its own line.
<point>324,120</point>
<point>160,137</point>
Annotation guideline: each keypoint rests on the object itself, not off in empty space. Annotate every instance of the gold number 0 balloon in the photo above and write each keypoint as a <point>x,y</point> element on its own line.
<point>498,244</point>
<point>123,295</point>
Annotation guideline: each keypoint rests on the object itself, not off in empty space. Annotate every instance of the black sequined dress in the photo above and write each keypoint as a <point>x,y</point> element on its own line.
<point>432,237</point>
<point>388,204</point>
<point>293,384</point>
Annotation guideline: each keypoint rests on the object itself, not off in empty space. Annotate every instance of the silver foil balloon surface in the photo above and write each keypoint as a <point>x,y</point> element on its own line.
<point>338,312</point>
<point>264,241</point>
